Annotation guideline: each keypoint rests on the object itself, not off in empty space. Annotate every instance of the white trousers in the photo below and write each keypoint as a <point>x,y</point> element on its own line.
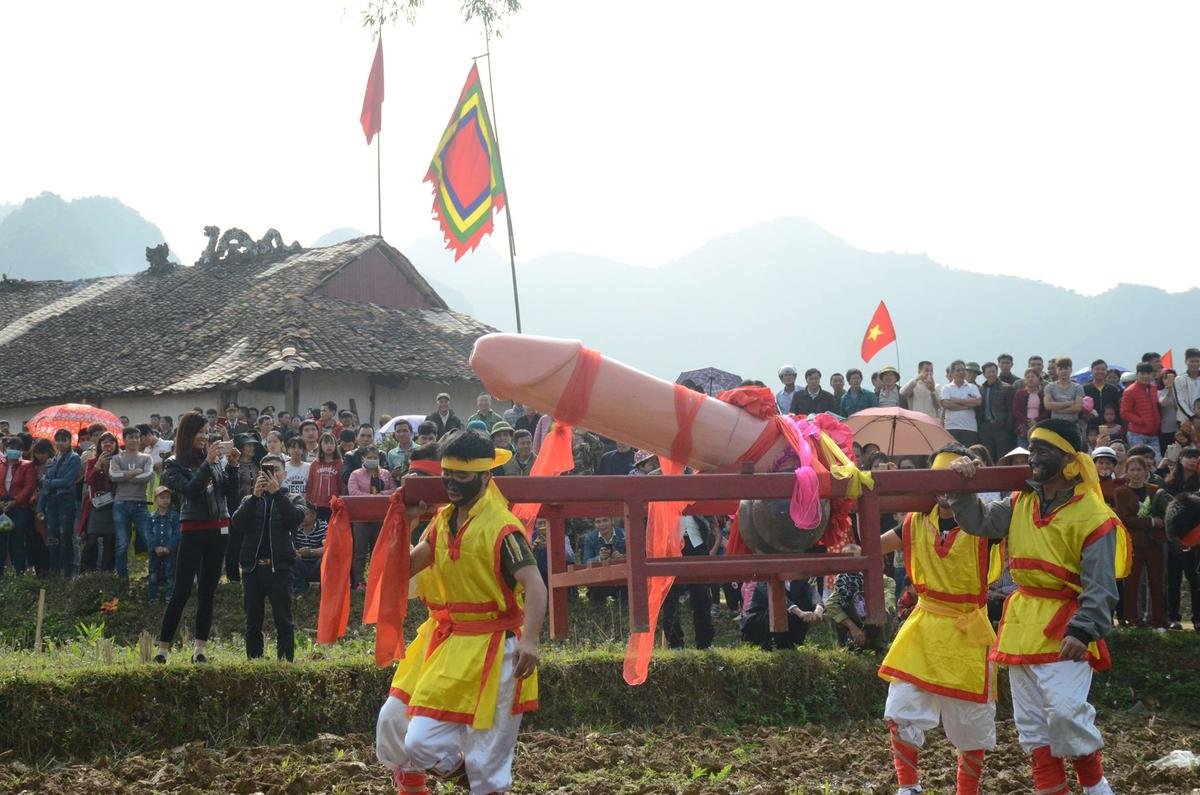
<point>1050,707</point>
<point>969,726</point>
<point>422,743</point>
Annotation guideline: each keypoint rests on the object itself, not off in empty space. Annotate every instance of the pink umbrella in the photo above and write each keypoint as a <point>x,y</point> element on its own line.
<point>898,431</point>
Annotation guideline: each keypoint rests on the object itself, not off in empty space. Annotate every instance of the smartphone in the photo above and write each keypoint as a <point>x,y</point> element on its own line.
<point>1103,430</point>
<point>226,447</point>
<point>222,420</point>
<point>1173,451</point>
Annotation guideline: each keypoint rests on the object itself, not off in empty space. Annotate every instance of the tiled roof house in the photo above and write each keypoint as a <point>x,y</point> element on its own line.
<point>352,321</point>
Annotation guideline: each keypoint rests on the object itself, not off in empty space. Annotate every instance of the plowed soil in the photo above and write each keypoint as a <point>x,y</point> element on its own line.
<point>785,761</point>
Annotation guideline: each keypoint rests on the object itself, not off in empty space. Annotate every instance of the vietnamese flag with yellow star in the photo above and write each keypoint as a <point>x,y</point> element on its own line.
<point>880,333</point>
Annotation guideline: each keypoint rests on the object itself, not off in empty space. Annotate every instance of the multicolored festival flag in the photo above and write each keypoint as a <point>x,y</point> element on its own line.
<point>467,182</point>
<point>880,333</point>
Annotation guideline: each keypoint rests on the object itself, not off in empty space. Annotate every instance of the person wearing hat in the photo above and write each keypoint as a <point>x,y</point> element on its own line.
<point>973,372</point>
<point>443,416</point>
<point>889,392</point>
<point>783,398</point>
<point>1105,459</point>
<point>162,539</point>
<point>502,437</point>
<point>644,462</point>
<point>951,572</point>
<point>471,671</point>
<point>1066,550</point>
<point>234,424</point>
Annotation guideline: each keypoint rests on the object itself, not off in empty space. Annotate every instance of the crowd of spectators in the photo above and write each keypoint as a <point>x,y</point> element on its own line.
<point>250,498</point>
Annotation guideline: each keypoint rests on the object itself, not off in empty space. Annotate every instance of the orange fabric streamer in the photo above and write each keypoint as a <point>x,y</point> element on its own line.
<point>687,406</point>
<point>334,612</point>
<point>573,404</point>
<point>556,458</point>
<point>662,541</point>
<point>387,588</point>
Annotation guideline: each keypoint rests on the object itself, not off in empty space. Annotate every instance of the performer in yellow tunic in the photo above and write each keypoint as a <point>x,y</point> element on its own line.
<point>1066,550</point>
<point>938,665</point>
<point>471,672</point>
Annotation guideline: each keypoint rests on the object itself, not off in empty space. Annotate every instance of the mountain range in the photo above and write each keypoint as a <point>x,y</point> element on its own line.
<point>779,292</point>
<point>46,237</point>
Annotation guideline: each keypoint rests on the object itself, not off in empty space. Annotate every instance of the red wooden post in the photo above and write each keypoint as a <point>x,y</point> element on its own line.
<point>868,532</point>
<point>556,563</point>
<point>636,544</point>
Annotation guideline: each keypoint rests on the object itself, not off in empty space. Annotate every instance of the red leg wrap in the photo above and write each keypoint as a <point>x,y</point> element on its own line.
<point>410,782</point>
<point>1049,773</point>
<point>1089,769</point>
<point>970,766</point>
<point>905,757</point>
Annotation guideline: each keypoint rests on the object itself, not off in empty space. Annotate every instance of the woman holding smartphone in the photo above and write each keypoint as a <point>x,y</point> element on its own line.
<point>195,473</point>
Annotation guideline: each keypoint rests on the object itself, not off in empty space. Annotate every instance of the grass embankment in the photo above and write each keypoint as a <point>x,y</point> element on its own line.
<point>81,699</point>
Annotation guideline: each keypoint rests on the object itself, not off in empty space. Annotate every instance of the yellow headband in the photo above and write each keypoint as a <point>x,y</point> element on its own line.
<point>1079,464</point>
<point>477,464</point>
<point>944,459</point>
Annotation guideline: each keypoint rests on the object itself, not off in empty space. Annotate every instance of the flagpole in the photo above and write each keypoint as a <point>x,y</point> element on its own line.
<point>379,180</point>
<point>379,156</point>
<point>512,245</point>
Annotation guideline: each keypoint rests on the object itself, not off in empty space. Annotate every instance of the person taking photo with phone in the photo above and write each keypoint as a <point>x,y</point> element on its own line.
<point>266,520</point>
<point>203,484</point>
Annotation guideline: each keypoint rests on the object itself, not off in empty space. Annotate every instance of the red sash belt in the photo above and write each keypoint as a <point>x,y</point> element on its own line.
<point>448,625</point>
<point>1057,627</point>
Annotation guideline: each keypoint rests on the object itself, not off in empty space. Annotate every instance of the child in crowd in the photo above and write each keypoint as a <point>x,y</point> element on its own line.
<point>163,540</point>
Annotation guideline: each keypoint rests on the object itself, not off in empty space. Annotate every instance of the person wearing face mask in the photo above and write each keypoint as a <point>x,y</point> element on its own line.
<point>370,478</point>
<point>1066,551</point>
<point>471,672</point>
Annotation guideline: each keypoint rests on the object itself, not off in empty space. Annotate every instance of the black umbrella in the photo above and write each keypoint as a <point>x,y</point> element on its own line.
<point>709,379</point>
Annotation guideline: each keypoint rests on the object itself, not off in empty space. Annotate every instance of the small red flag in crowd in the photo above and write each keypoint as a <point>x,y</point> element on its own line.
<point>1168,360</point>
<point>880,333</point>
<point>372,110</point>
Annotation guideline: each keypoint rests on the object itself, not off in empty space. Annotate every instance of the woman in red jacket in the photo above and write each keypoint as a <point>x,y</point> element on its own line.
<point>18,484</point>
<point>1029,407</point>
<point>325,476</point>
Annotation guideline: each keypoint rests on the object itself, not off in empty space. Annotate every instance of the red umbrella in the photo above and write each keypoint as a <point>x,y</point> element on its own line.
<point>898,431</point>
<point>74,417</point>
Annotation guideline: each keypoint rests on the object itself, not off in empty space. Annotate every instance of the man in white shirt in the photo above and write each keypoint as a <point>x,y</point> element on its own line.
<point>783,398</point>
<point>1187,386</point>
<point>959,399</point>
<point>296,468</point>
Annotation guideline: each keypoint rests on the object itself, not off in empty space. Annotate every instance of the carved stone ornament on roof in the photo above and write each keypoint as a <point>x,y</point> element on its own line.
<point>157,257</point>
<point>235,246</point>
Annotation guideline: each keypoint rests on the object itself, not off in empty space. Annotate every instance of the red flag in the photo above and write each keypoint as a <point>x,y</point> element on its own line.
<point>880,333</point>
<point>372,112</point>
<point>1168,360</point>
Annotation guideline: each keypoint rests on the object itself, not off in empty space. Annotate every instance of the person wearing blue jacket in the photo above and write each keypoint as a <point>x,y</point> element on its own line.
<point>56,504</point>
<point>162,539</point>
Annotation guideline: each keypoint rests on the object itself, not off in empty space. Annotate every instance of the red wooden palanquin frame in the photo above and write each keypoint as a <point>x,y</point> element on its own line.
<point>895,491</point>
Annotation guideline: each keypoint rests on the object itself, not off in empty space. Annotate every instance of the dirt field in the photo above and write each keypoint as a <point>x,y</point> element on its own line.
<point>755,760</point>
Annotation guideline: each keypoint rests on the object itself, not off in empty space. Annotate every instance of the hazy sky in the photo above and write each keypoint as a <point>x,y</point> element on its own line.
<point>1049,140</point>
